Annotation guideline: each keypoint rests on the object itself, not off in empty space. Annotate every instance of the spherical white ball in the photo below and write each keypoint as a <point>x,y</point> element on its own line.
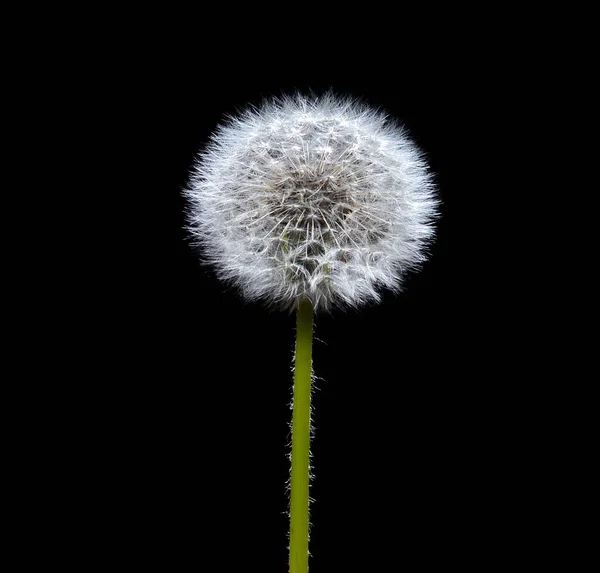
<point>320,198</point>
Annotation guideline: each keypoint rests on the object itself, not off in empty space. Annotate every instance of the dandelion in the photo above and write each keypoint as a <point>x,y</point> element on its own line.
<point>308,204</point>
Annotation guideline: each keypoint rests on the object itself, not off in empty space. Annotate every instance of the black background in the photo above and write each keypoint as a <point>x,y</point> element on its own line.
<point>150,420</point>
<point>415,453</point>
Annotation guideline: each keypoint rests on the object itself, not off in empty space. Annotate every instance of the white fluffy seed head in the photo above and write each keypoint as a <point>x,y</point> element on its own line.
<point>312,197</point>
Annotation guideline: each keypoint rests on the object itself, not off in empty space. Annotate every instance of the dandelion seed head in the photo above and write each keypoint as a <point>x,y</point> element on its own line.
<point>312,197</point>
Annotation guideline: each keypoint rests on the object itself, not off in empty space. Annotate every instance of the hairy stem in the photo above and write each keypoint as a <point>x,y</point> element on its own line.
<point>301,440</point>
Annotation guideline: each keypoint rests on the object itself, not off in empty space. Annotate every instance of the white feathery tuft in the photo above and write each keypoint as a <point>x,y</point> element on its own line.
<point>312,197</point>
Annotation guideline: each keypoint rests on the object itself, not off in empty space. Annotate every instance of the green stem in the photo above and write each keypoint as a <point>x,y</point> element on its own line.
<point>301,440</point>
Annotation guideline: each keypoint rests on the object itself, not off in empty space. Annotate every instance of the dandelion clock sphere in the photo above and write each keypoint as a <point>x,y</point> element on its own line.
<point>321,199</point>
<point>310,204</point>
